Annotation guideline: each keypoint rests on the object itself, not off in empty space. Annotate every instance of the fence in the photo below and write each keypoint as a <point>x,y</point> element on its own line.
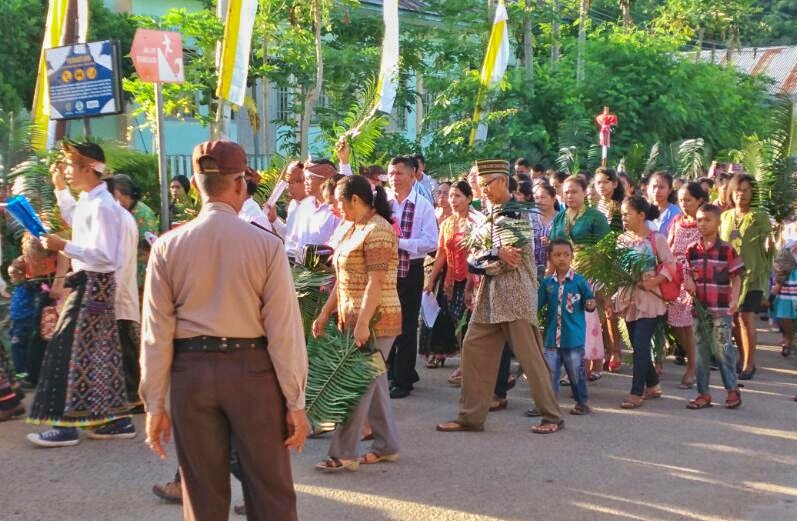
<point>180,164</point>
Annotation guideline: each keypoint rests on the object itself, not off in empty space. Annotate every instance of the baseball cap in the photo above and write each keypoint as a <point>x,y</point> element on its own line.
<point>230,157</point>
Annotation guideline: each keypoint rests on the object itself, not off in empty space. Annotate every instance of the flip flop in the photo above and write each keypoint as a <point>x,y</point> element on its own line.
<point>333,464</point>
<point>546,427</point>
<point>457,427</point>
<point>628,403</point>
<point>701,402</point>
<point>372,458</point>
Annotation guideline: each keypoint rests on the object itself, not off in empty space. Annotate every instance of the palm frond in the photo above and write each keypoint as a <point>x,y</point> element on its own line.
<point>567,160</point>
<point>32,177</point>
<point>690,158</point>
<point>611,264</point>
<point>312,289</point>
<point>653,159</point>
<point>507,225</point>
<point>634,161</point>
<point>362,127</point>
<point>339,374</point>
<point>777,186</point>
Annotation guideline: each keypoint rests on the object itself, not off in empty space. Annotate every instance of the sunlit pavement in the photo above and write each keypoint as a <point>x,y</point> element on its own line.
<point>658,463</point>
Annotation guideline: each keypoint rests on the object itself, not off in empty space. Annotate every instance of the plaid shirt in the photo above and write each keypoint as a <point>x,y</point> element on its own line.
<point>712,270</point>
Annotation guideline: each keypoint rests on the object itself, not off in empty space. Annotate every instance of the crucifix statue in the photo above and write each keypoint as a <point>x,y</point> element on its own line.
<point>605,121</point>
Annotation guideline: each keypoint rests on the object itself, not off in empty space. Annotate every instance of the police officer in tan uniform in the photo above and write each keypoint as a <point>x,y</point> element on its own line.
<point>222,333</point>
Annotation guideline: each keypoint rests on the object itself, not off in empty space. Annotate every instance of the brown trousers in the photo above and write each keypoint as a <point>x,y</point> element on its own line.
<point>218,396</point>
<point>481,356</point>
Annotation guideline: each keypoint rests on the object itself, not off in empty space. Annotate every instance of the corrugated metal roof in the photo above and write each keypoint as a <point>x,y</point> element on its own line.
<point>779,63</point>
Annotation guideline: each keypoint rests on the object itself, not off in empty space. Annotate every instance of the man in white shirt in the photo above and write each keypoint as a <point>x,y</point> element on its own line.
<point>82,380</point>
<point>414,217</point>
<point>424,179</point>
<point>127,306</point>
<point>315,221</point>
<point>294,176</point>
<point>250,211</point>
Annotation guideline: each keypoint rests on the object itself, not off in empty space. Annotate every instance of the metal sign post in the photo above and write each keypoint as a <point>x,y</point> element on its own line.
<point>158,58</point>
<point>163,175</point>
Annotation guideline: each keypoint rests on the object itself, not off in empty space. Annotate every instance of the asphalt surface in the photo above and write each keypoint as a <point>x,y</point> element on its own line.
<point>658,463</point>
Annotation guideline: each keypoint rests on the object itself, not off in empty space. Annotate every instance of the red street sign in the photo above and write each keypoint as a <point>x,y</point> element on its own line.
<point>158,56</point>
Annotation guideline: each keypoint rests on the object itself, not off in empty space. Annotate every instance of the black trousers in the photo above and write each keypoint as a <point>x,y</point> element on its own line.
<point>405,349</point>
<point>217,398</point>
<point>130,339</point>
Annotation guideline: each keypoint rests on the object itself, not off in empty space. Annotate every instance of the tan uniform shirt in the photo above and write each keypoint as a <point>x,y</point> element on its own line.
<point>220,276</point>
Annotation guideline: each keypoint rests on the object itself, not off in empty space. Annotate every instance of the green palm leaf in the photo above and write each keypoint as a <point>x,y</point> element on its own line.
<point>310,285</point>
<point>339,375</point>
<point>613,265</point>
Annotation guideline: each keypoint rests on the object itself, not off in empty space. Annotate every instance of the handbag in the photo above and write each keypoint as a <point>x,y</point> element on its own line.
<point>670,289</point>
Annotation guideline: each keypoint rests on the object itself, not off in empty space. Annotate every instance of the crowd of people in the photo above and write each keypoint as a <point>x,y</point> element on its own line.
<point>219,305</point>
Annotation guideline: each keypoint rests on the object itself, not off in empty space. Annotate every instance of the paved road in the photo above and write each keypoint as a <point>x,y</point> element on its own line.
<point>658,463</point>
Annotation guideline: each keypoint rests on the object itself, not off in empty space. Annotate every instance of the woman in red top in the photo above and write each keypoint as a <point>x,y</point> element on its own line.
<point>452,256</point>
<point>684,232</point>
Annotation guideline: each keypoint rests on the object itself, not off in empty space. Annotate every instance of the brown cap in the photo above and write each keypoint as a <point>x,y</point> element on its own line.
<point>492,166</point>
<point>229,157</point>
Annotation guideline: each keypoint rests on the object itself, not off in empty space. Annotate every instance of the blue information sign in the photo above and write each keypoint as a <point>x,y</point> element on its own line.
<point>84,80</point>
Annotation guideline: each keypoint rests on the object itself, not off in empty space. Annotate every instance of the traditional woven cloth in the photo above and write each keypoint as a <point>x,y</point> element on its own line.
<point>407,217</point>
<point>82,382</point>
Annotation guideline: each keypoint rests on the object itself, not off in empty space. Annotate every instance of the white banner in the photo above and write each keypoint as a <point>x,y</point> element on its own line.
<point>389,70</point>
<point>235,49</point>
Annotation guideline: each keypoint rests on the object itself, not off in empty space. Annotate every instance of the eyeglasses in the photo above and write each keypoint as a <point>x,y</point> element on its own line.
<point>485,185</point>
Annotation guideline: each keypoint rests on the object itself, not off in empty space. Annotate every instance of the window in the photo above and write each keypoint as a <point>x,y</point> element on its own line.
<point>283,100</point>
<point>399,116</point>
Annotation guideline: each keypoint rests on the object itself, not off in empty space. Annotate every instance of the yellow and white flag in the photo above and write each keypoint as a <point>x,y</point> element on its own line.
<point>54,36</point>
<point>494,67</point>
<point>235,49</point>
<point>389,70</point>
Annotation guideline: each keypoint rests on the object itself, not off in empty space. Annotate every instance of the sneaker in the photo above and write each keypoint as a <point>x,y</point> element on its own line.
<point>122,429</point>
<point>55,437</point>
<point>170,492</point>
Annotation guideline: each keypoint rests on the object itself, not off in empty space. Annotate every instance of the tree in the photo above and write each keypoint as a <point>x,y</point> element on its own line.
<point>583,12</point>
<point>625,6</point>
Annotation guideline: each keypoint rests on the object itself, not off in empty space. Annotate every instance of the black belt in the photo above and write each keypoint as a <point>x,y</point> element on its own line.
<point>214,344</point>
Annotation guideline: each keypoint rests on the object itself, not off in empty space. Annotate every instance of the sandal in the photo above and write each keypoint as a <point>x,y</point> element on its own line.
<point>785,350</point>
<point>535,413</point>
<point>498,404</point>
<point>580,409</point>
<point>332,464</point>
<point>511,382</point>
<point>455,426</point>
<point>614,365</point>
<point>651,393</point>
<point>734,399</point>
<point>747,375</point>
<point>686,384</point>
<point>455,378</point>
<point>431,362</point>
<point>546,427</point>
<point>632,401</point>
<point>372,458</point>
<point>703,401</point>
